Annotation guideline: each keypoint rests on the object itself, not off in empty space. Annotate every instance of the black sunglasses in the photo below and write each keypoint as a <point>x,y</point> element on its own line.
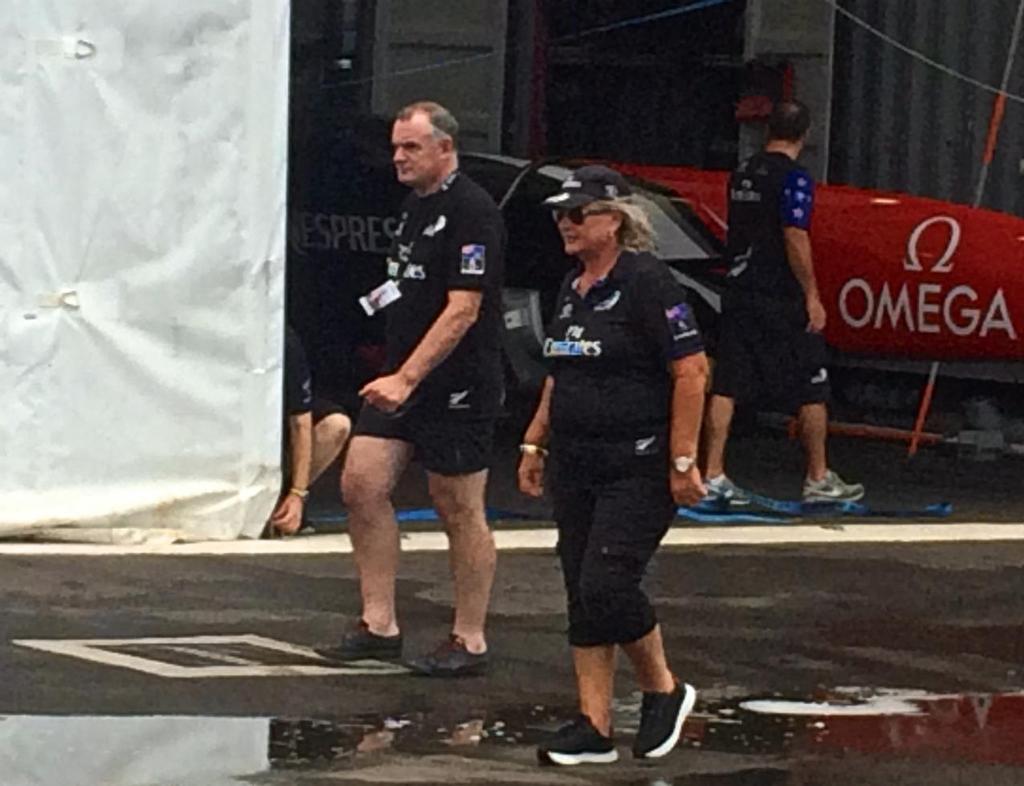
<point>576,215</point>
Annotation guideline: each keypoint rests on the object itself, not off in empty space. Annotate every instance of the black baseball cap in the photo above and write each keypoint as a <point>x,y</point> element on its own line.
<point>589,184</point>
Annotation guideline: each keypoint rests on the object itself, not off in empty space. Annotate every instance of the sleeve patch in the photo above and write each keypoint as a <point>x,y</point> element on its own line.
<point>681,321</point>
<point>474,259</point>
<point>797,200</point>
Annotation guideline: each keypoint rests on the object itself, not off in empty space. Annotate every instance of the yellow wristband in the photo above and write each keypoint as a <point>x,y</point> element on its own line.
<point>532,450</point>
<point>300,493</point>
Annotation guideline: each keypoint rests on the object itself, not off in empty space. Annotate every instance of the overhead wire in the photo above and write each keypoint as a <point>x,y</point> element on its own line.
<point>699,5</point>
<point>921,56</point>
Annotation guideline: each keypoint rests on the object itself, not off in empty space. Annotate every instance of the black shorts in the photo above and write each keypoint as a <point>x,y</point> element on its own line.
<point>444,444</point>
<point>767,356</point>
<point>323,407</point>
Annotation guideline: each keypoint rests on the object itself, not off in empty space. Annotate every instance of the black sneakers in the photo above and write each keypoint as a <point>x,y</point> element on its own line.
<point>450,659</point>
<point>578,743</point>
<point>662,716</point>
<point>360,644</point>
<point>661,721</point>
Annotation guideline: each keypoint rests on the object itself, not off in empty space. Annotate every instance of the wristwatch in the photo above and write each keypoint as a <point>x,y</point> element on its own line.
<point>533,450</point>
<point>683,464</point>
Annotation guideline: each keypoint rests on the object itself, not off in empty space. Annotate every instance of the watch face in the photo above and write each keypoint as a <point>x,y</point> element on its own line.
<point>683,463</point>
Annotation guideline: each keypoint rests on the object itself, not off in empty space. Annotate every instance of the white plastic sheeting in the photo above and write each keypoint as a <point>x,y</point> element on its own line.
<point>40,750</point>
<point>142,224</point>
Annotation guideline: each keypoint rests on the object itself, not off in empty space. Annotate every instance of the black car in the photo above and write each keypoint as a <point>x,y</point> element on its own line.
<point>341,220</point>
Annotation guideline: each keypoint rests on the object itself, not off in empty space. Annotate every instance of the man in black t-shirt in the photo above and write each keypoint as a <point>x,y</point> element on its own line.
<point>438,397</point>
<point>771,347</point>
<point>315,433</point>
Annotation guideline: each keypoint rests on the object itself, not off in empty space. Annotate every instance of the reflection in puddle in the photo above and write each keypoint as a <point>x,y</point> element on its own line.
<point>211,751</point>
<point>977,728</point>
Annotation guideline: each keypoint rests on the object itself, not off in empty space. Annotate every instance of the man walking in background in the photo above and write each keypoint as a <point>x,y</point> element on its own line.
<point>771,348</point>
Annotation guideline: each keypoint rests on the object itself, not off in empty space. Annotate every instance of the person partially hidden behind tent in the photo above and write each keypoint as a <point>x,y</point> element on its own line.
<point>315,433</point>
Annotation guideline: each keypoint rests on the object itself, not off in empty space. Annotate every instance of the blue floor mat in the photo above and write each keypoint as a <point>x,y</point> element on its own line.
<point>731,517</point>
<point>762,510</point>
<point>768,509</point>
<point>423,514</point>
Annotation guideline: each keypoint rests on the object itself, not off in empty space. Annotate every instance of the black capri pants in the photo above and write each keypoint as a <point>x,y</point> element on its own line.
<point>612,509</point>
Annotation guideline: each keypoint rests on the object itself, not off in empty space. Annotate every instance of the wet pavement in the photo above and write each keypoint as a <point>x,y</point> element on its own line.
<point>832,664</point>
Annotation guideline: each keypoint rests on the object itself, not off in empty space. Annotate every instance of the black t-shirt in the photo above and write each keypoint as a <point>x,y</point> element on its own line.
<point>609,352</point>
<point>453,239</point>
<point>298,384</point>
<point>767,193</point>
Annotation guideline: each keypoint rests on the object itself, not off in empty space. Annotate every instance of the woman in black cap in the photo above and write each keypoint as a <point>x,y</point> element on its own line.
<point>620,415</point>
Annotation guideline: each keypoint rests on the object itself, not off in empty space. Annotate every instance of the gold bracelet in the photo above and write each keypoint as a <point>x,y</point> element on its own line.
<point>532,450</point>
<point>300,493</point>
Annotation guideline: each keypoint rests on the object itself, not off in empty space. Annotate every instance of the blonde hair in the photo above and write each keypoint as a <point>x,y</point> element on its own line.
<point>635,232</point>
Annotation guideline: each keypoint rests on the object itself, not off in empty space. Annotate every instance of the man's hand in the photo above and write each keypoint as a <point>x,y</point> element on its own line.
<point>387,393</point>
<point>531,475</point>
<point>815,315</point>
<point>687,487</point>
<point>287,517</point>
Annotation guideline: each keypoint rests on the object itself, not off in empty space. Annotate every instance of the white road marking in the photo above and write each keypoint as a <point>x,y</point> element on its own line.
<point>211,655</point>
<point>526,539</point>
<point>96,651</point>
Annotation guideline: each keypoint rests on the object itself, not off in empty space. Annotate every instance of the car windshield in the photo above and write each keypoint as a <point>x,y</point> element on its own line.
<point>671,241</point>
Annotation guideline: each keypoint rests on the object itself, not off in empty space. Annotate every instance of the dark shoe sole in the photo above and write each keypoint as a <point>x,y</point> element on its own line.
<point>473,670</point>
<point>339,655</point>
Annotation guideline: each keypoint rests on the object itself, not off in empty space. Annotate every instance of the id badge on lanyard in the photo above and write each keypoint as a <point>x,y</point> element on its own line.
<point>380,297</point>
<point>387,293</point>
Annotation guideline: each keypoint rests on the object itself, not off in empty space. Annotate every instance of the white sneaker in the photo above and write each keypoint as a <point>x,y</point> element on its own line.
<point>721,489</point>
<point>832,488</point>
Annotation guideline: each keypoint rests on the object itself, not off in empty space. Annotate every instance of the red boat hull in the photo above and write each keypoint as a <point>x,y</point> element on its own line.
<point>901,276</point>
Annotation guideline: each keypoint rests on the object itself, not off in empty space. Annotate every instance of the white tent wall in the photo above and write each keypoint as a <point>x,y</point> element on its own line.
<point>142,227</point>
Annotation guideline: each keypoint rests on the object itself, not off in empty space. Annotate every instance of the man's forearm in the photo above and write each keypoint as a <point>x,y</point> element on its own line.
<point>689,381</point>
<point>539,430</point>
<point>300,433</point>
<point>442,337</point>
<point>798,253</point>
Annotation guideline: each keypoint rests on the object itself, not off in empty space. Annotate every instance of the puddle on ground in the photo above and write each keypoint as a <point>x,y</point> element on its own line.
<point>302,743</point>
<point>885,724</point>
<point>970,728</point>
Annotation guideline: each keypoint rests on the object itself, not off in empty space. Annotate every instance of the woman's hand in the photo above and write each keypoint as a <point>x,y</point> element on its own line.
<point>531,474</point>
<point>687,487</point>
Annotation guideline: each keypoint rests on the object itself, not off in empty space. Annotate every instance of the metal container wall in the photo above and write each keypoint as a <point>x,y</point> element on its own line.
<point>899,123</point>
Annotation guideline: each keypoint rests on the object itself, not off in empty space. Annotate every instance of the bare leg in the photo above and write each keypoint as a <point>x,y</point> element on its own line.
<point>373,468</point>
<point>649,663</point>
<point>716,433</point>
<point>459,500</point>
<point>595,681</point>
<point>813,434</point>
<point>329,437</point>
